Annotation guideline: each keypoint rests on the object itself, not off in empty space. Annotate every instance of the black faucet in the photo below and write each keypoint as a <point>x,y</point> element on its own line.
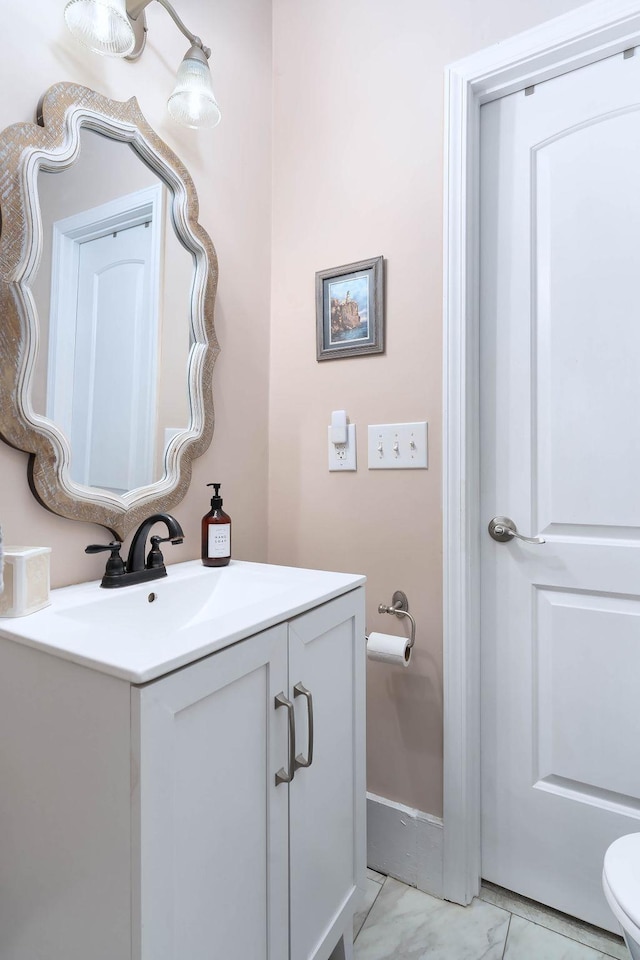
<point>119,574</point>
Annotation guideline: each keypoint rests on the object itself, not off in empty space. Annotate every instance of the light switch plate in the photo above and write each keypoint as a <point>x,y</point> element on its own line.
<point>342,456</point>
<point>398,446</point>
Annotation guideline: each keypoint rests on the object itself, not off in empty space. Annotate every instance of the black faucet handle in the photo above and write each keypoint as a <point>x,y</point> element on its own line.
<point>175,540</point>
<point>155,558</point>
<point>115,564</point>
<point>114,546</point>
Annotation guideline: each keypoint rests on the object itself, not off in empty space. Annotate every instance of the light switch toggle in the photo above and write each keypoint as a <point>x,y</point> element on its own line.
<point>398,446</point>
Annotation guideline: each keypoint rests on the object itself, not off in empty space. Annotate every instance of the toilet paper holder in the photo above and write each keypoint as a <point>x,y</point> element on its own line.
<point>399,607</point>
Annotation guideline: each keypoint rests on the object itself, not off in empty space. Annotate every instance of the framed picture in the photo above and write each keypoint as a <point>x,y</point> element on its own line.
<point>349,310</point>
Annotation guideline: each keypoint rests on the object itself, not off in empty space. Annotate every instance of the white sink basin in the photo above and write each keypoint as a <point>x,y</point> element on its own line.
<point>140,632</point>
<point>179,601</point>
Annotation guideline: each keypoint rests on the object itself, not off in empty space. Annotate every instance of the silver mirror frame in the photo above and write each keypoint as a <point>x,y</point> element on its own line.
<point>53,143</point>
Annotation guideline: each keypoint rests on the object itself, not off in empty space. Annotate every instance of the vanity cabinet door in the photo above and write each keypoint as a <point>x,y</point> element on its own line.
<point>211,872</point>
<point>327,798</point>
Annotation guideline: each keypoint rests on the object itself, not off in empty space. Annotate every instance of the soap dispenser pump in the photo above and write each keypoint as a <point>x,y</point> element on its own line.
<point>216,532</point>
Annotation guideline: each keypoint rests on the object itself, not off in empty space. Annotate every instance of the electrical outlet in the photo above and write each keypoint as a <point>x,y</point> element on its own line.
<point>342,456</point>
<point>398,446</point>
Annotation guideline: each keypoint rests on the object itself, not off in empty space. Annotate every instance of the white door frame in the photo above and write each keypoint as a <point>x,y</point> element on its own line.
<point>592,32</point>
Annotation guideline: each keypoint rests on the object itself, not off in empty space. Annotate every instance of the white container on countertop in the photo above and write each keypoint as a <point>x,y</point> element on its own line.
<point>26,581</point>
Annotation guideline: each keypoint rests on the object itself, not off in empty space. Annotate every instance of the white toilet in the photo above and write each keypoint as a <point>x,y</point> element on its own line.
<point>621,882</point>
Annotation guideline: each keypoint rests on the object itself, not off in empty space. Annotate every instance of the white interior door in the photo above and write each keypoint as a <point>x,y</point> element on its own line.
<point>560,441</point>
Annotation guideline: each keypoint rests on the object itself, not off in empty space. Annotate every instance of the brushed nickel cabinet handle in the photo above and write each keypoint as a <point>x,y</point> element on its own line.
<point>284,776</point>
<point>301,691</point>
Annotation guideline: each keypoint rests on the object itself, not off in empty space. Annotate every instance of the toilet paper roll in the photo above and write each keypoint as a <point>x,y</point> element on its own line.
<point>389,649</point>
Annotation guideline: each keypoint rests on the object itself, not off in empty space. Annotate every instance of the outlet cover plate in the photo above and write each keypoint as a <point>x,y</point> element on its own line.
<point>342,456</point>
<point>398,446</point>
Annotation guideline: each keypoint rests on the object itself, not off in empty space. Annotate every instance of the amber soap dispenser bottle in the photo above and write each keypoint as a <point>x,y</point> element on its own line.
<point>216,532</point>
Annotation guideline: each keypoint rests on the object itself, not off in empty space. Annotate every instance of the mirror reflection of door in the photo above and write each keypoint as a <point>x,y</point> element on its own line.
<point>138,407</point>
<point>102,375</point>
<point>115,363</point>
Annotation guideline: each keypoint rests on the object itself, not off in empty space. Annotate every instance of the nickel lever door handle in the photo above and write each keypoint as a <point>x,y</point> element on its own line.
<point>503,529</point>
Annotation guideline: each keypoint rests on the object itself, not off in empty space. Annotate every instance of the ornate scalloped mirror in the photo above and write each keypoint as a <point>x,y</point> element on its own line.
<point>107,288</point>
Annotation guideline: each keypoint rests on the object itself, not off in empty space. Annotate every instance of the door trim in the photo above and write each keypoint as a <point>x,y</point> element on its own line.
<point>597,30</point>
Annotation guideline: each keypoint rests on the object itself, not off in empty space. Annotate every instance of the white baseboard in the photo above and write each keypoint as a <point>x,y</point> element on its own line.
<point>405,844</point>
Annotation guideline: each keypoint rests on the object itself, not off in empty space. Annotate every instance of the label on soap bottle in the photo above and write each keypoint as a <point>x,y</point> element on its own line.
<point>219,540</point>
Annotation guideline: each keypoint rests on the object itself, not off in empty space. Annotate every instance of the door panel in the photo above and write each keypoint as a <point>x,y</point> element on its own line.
<point>585,265</point>
<point>114,373</point>
<point>214,826</point>
<point>560,439</point>
<point>576,747</point>
<point>327,799</point>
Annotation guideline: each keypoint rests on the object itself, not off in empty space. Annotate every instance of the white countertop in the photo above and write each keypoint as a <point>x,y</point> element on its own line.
<point>195,611</point>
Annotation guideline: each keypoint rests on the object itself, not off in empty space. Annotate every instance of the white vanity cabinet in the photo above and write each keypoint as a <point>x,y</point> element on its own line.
<point>217,831</point>
<point>160,832</point>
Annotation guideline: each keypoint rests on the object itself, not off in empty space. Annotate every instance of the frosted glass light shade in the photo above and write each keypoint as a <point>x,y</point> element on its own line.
<point>192,101</point>
<point>101,25</point>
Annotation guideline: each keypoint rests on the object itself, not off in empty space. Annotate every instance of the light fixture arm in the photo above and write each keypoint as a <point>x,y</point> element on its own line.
<point>137,7</point>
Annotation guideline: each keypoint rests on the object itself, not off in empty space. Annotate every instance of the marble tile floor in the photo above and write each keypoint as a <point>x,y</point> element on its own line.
<point>398,922</point>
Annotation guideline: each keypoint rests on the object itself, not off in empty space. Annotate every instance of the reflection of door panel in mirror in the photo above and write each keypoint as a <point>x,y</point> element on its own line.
<point>113,415</point>
<point>99,302</point>
<point>108,180</point>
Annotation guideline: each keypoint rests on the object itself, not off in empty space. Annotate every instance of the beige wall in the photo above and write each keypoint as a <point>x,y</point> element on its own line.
<point>231,167</point>
<point>358,146</point>
<point>357,172</point>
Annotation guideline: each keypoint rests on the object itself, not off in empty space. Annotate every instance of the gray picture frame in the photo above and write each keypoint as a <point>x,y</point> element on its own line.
<point>350,310</point>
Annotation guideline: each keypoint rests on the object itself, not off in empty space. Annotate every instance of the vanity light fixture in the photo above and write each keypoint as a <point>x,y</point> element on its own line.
<point>118,28</point>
